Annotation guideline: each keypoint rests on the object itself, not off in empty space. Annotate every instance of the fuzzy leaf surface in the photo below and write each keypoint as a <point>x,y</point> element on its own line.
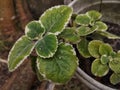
<point>83,48</point>
<point>19,52</point>
<point>47,46</point>
<point>61,67</point>
<point>55,19</point>
<point>69,35</point>
<point>99,69</point>
<point>34,30</point>
<point>82,19</point>
<point>115,78</point>
<point>93,48</point>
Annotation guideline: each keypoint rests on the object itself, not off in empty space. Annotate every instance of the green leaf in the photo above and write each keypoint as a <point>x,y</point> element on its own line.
<point>101,26</point>
<point>19,52</point>
<point>105,49</point>
<point>94,15</point>
<point>115,78</point>
<point>61,67</point>
<point>115,65</point>
<point>70,35</point>
<point>47,46</point>
<point>82,19</point>
<point>34,30</point>
<point>99,69</point>
<point>55,19</point>
<point>82,47</point>
<point>104,59</point>
<point>84,30</point>
<point>93,48</point>
<point>108,35</point>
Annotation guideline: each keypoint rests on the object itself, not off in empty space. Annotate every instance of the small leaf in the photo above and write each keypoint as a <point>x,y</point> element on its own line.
<point>55,19</point>
<point>93,48</point>
<point>115,78</point>
<point>115,65</point>
<point>108,35</point>
<point>104,59</point>
<point>83,30</point>
<point>101,26</point>
<point>99,69</point>
<point>34,30</point>
<point>61,67</point>
<point>94,15</point>
<point>47,46</point>
<point>19,52</point>
<point>105,49</point>
<point>69,35</point>
<point>82,47</point>
<point>82,19</point>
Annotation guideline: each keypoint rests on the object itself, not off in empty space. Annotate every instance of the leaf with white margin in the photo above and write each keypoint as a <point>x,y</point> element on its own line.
<point>93,48</point>
<point>34,30</point>
<point>19,52</point>
<point>115,65</point>
<point>83,19</point>
<point>84,30</point>
<point>108,35</point>
<point>47,46</point>
<point>115,78</point>
<point>94,15</point>
<point>101,26</point>
<point>61,67</point>
<point>56,18</point>
<point>82,47</point>
<point>99,69</point>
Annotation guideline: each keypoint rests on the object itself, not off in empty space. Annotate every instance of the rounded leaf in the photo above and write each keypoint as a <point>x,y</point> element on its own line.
<point>55,19</point>
<point>101,26</point>
<point>105,49</point>
<point>99,69</point>
<point>61,67</point>
<point>83,19</point>
<point>94,15</point>
<point>93,48</point>
<point>69,35</point>
<point>19,52</point>
<point>115,78</point>
<point>82,47</point>
<point>34,30</point>
<point>47,46</point>
<point>104,59</point>
<point>115,65</point>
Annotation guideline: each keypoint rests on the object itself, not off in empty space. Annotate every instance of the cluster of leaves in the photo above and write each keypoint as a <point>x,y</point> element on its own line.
<point>52,41</point>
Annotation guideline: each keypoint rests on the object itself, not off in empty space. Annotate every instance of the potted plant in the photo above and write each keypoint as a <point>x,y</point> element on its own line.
<point>57,39</point>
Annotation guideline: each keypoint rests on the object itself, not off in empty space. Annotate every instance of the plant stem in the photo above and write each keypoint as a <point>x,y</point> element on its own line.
<point>3,61</point>
<point>51,86</point>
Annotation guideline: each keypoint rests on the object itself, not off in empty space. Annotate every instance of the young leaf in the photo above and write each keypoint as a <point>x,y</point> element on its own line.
<point>99,69</point>
<point>83,48</point>
<point>55,19</point>
<point>93,48</point>
<point>61,67</point>
<point>115,65</point>
<point>34,30</point>
<point>47,46</point>
<point>94,15</point>
<point>104,59</point>
<point>69,35</point>
<point>82,19</point>
<point>115,78</point>
<point>108,35</point>
<point>105,49</point>
<point>19,52</point>
<point>101,26</point>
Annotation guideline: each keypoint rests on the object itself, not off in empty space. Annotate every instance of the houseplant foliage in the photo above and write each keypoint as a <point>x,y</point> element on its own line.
<point>54,42</point>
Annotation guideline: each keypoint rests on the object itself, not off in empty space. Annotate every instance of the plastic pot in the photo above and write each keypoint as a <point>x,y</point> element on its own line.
<point>111,13</point>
